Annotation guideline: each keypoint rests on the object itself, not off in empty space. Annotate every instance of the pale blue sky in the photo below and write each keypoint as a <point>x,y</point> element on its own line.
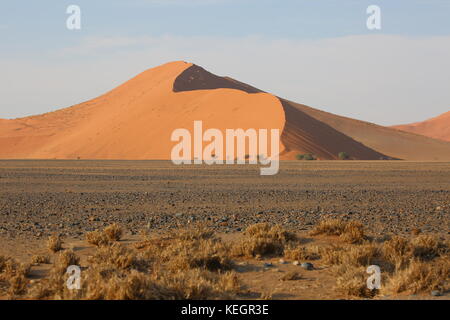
<point>317,52</point>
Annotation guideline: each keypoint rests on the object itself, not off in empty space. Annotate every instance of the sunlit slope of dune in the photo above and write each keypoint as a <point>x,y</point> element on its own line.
<point>136,120</point>
<point>437,127</point>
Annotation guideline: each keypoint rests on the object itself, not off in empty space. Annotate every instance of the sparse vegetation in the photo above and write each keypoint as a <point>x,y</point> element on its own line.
<point>54,243</point>
<point>40,259</point>
<point>263,240</point>
<point>113,232</point>
<point>195,263</point>
<point>13,276</point>
<point>103,238</point>
<point>343,155</point>
<point>302,253</point>
<point>306,156</point>
<point>97,238</point>
<point>411,266</point>
<point>350,232</point>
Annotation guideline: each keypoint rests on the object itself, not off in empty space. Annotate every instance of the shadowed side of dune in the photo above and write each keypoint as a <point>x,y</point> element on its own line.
<point>301,134</point>
<point>304,134</point>
<point>393,142</point>
<point>197,78</point>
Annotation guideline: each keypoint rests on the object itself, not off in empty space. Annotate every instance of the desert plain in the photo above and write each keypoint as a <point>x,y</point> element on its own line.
<point>231,232</point>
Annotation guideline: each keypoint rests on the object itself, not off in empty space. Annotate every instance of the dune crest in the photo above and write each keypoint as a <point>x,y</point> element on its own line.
<point>437,127</point>
<point>136,119</point>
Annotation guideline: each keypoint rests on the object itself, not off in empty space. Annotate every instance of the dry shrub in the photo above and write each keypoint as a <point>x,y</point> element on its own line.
<point>303,253</point>
<point>263,240</point>
<point>97,238</point>
<point>330,227</point>
<point>420,276</point>
<point>54,243</point>
<point>352,282</point>
<point>201,284</point>
<point>13,276</point>
<point>17,285</point>
<point>355,256</point>
<point>40,259</point>
<point>408,265</point>
<point>192,249</point>
<point>55,286</point>
<point>119,257</point>
<point>400,251</point>
<point>363,255</point>
<point>197,232</point>
<point>353,233</point>
<point>397,251</point>
<point>426,247</point>
<point>332,254</point>
<point>264,230</point>
<point>252,247</point>
<point>10,267</point>
<point>65,259</point>
<point>350,232</point>
<point>113,232</point>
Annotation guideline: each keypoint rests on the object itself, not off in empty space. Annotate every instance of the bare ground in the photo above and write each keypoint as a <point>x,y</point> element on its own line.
<point>41,198</point>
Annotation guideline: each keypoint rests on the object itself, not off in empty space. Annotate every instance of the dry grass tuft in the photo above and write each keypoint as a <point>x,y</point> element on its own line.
<point>65,259</point>
<point>113,232</point>
<point>264,230</point>
<point>329,227</point>
<point>352,283</point>
<point>303,253</point>
<point>426,248</point>
<point>13,276</point>
<point>40,259</point>
<point>263,240</point>
<point>54,243</point>
<point>97,238</point>
<point>353,233</point>
<point>350,232</point>
<point>420,276</point>
<point>198,232</point>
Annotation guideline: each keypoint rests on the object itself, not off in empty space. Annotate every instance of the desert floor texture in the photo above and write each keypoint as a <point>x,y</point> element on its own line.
<point>150,199</point>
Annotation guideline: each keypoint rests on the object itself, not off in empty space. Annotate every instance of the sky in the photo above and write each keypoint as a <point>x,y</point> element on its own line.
<point>315,52</point>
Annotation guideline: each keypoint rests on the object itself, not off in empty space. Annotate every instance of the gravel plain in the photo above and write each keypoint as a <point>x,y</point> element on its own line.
<point>42,197</point>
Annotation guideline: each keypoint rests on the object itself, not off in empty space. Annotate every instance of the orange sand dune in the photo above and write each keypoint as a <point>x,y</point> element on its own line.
<point>438,127</point>
<point>136,120</point>
<point>389,141</point>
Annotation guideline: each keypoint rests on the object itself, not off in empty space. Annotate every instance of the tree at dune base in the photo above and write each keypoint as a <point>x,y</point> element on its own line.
<point>343,156</point>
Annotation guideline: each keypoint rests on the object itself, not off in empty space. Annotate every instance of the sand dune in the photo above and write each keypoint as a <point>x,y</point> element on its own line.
<point>136,119</point>
<point>389,141</point>
<point>437,127</point>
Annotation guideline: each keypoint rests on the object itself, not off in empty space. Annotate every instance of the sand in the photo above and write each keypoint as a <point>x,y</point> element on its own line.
<point>135,121</point>
<point>437,127</point>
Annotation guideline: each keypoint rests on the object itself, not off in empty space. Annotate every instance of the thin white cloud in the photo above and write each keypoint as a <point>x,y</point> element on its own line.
<point>379,78</point>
